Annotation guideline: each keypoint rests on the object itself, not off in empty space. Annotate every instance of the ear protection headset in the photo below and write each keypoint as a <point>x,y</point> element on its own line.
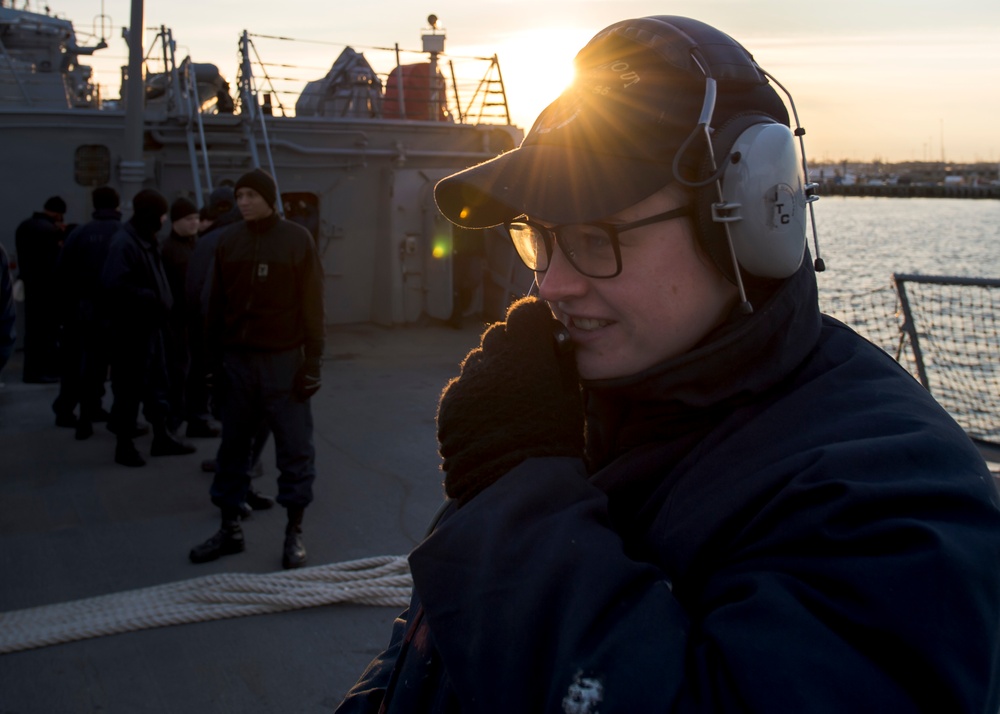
<point>750,204</point>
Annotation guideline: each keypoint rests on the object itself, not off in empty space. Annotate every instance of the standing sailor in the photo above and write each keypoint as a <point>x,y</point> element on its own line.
<point>140,301</point>
<point>265,335</point>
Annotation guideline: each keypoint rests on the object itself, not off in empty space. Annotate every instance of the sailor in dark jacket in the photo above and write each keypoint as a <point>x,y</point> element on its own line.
<point>37,241</point>
<point>265,334</point>
<point>691,492</point>
<point>85,312</point>
<point>140,300</point>
<point>223,212</point>
<point>177,249</point>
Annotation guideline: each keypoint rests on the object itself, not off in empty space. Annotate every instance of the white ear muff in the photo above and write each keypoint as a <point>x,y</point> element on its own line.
<point>764,201</point>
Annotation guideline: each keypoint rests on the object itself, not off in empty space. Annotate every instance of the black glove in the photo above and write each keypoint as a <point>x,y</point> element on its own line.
<point>518,396</point>
<point>309,378</point>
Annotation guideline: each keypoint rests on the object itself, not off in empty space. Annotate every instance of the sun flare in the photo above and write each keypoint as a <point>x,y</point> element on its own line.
<point>537,65</point>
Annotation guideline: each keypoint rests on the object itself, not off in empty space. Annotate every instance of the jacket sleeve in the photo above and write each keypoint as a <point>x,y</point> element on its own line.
<point>312,301</point>
<point>213,301</point>
<point>128,296</point>
<point>535,607</point>
<point>367,694</point>
<point>833,595</point>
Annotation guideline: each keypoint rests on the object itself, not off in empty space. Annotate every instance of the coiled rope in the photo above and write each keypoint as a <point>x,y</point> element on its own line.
<point>383,580</point>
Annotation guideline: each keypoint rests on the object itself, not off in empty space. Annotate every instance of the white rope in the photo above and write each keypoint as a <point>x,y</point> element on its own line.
<point>383,580</point>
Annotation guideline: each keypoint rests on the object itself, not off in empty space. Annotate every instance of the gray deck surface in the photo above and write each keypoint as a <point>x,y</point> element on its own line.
<point>73,524</point>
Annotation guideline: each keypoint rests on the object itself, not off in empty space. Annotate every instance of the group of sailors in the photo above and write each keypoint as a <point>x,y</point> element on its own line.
<point>109,293</point>
<point>111,298</point>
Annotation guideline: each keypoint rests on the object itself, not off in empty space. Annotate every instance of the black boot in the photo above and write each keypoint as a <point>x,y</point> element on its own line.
<point>126,454</point>
<point>166,443</point>
<point>227,541</point>
<point>294,555</point>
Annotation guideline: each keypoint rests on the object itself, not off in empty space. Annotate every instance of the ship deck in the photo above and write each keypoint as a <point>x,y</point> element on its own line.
<point>75,525</point>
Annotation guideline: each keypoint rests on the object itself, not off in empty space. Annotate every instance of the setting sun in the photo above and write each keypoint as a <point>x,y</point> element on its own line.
<point>537,64</point>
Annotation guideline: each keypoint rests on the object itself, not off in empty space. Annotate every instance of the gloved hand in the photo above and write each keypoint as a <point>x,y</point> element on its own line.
<point>309,378</point>
<point>518,396</point>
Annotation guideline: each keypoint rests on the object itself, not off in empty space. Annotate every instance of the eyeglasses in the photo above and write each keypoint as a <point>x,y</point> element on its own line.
<point>593,249</point>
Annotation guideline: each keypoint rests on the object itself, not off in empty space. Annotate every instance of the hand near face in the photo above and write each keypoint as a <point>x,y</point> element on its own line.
<point>518,397</point>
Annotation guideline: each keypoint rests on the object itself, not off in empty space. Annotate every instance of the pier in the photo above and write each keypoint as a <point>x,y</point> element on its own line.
<point>909,191</point>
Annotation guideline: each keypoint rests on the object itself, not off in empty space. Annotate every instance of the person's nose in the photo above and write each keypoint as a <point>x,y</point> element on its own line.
<point>561,281</point>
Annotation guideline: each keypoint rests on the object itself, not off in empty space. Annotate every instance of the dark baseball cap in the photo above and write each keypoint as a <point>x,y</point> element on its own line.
<point>610,139</point>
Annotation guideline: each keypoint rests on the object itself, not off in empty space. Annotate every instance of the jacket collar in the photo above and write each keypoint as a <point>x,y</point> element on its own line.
<point>745,356</point>
<point>264,224</point>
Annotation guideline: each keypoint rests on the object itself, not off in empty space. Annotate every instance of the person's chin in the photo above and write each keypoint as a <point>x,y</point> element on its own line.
<point>592,364</point>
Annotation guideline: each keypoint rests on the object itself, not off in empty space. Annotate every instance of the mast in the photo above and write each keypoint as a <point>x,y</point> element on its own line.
<point>132,169</point>
<point>434,45</point>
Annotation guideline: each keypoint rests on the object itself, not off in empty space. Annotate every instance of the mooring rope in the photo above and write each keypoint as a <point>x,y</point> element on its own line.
<point>383,580</point>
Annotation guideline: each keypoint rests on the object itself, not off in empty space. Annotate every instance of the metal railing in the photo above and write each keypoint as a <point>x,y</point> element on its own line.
<point>943,330</point>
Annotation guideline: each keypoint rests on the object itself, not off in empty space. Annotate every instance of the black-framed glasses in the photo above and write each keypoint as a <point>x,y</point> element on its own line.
<point>593,249</point>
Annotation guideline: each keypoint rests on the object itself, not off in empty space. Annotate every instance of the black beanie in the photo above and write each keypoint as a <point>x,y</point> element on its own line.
<point>181,208</point>
<point>261,182</point>
<point>55,205</point>
<point>221,201</point>
<point>149,206</point>
<point>105,198</point>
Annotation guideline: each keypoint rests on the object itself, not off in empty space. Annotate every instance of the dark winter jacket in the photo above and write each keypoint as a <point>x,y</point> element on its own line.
<point>37,241</point>
<point>202,263</point>
<point>267,289</point>
<point>176,252</point>
<point>138,294</point>
<point>782,520</point>
<point>81,264</point>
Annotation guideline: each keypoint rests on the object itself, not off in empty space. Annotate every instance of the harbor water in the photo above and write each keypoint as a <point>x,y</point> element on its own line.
<point>947,334</point>
<point>865,240</point>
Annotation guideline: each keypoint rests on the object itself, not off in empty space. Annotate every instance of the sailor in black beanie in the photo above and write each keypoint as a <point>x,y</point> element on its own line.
<point>264,334</point>
<point>37,241</point>
<point>140,300</point>
<point>177,250</point>
<point>261,182</point>
<point>84,337</point>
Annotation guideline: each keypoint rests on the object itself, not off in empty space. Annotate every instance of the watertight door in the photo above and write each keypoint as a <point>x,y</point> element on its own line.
<point>419,249</point>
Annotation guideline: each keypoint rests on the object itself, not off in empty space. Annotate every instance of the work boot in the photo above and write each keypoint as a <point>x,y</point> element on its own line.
<point>228,540</point>
<point>127,455</point>
<point>166,443</point>
<point>294,555</point>
<point>258,501</point>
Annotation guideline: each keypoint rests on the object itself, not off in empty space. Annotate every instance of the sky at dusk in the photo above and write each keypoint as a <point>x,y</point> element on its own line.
<point>875,79</point>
